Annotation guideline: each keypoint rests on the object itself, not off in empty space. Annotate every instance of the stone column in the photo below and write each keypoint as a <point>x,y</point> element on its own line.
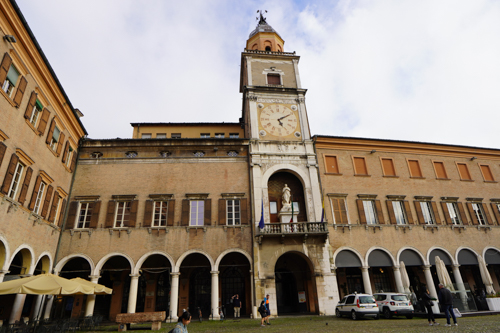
<point>89,306</point>
<point>17,308</point>
<point>2,275</point>
<point>48,306</point>
<point>366,279</point>
<point>430,286</point>
<point>174,295</point>
<point>37,311</point>
<point>132,296</point>
<point>460,285</point>
<point>398,279</point>
<point>215,295</point>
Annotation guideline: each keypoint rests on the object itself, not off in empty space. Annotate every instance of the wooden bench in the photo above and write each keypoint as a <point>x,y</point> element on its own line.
<point>125,319</point>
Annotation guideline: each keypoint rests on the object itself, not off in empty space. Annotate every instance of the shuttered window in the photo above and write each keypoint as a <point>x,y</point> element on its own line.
<point>415,170</point>
<point>274,79</point>
<point>160,209</point>
<point>454,212</point>
<point>10,81</point>
<point>84,215</point>
<point>463,170</point>
<point>196,212</point>
<point>331,164</point>
<point>233,213</point>
<point>486,171</point>
<point>360,166</point>
<point>440,170</point>
<point>39,198</point>
<point>370,212</point>
<point>55,138</point>
<point>388,167</point>
<point>339,211</point>
<point>477,210</point>
<point>122,214</point>
<point>399,212</point>
<point>427,212</point>
<point>14,186</point>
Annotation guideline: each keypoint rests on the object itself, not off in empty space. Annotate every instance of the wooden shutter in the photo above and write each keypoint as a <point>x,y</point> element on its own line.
<point>21,87</point>
<point>339,211</point>
<point>388,167</point>
<point>73,161</point>
<point>331,164</point>
<point>435,211</point>
<point>222,212</point>
<point>171,212</point>
<point>440,170</point>
<point>10,173</point>
<point>415,170</point>
<point>43,121</point>
<point>487,215</point>
<point>463,171</point>
<point>380,214</point>
<point>66,150</point>
<point>51,131</point>
<point>496,212</point>
<point>35,192</point>
<point>463,217</point>
<point>59,144</point>
<point>46,203</point>
<point>244,212</point>
<point>31,105</point>
<point>446,213</point>
<point>208,212</point>
<point>361,211</point>
<point>409,216</point>
<point>133,213</point>
<point>110,214</point>
<point>4,67</point>
<point>185,213</point>
<point>26,184</point>
<point>360,166</point>
<point>390,210</point>
<point>420,215</point>
<point>148,213</point>
<point>472,214</point>
<point>273,79</point>
<point>94,219</point>
<point>53,209</point>
<point>3,149</point>
<point>61,214</point>
<point>70,221</point>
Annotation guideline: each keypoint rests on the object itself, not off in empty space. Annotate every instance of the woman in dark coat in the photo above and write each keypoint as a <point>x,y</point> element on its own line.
<point>426,299</point>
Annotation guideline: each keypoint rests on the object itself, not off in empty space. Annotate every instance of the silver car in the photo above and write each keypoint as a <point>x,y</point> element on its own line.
<point>357,306</point>
<point>394,304</point>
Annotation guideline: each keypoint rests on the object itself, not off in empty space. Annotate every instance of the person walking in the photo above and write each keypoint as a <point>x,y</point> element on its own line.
<point>268,310</point>
<point>427,300</point>
<point>263,313</point>
<point>236,305</point>
<point>446,300</point>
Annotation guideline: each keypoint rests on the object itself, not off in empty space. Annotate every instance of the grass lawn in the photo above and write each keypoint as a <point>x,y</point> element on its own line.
<point>330,324</point>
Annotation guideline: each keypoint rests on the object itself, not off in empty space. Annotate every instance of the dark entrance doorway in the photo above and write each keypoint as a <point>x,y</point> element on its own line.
<point>195,285</point>
<point>235,280</point>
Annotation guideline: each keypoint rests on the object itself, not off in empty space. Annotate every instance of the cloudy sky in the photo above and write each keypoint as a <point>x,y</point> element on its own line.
<point>426,70</point>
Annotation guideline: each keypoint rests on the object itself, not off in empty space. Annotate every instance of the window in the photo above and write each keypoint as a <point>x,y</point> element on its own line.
<point>399,212</point>
<point>175,135</point>
<point>11,81</point>
<point>69,157</point>
<point>234,135</point>
<point>440,170</point>
<point>274,79</point>
<point>39,198</point>
<point>415,170</point>
<point>55,139</point>
<point>146,136</point>
<point>339,208</point>
<point>486,171</point>
<point>84,215</point>
<point>204,135</point>
<point>360,166</point>
<point>370,212</point>
<point>273,207</point>
<point>219,135</point>
<point>232,153</point>
<point>478,212</point>
<point>35,113</point>
<point>199,154</point>
<point>160,209</point>
<point>427,212</point>
<point>388,167</point>
<point>57,215</point>
<point>122,215</point>
<point>233,212</point>
<point>161,135</point>
<point>14,186</point>
<point>196,212</point>
<point>463,170</point>
<point>331,165</point>
<point>454,212</point>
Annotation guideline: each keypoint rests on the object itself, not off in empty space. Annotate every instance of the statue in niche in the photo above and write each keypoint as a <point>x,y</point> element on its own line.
<point>287,195</point>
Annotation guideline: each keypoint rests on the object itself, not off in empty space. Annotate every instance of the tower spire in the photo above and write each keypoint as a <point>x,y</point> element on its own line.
<point>264,37</point>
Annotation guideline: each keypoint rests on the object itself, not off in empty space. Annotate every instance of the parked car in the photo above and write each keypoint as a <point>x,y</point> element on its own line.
<point>357,306</point>
<point>394,304</point>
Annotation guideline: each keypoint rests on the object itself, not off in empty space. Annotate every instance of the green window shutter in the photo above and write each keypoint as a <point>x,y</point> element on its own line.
<point>39,105</point>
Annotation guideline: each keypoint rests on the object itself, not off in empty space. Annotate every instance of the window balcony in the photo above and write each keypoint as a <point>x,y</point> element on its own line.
<point>295,229</point>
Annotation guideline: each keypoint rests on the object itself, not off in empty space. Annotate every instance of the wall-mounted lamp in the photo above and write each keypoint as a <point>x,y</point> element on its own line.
<point>473,158</point>
<point>10,38</point>
<point>373,151</point>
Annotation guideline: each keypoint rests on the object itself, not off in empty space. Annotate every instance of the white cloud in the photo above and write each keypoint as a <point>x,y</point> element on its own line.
<point>423,71</point>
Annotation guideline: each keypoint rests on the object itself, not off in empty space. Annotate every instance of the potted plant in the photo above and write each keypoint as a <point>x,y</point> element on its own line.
<point>493,301</point>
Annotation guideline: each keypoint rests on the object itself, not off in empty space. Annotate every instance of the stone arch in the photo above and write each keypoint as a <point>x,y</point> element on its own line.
<point>410,248</point>
<point>486,249</point>
<point>46,259</point>
<point>345,248</point>
<point>450,256</point>
<point>223,254</point>
<point>460,248</point>
<point>108,256</point>
<point>144,257</point>
<point>4,253</point>
<point>377,248</point>
<point>65,260</point>
<point>28,257</point>
<point>185,254</point>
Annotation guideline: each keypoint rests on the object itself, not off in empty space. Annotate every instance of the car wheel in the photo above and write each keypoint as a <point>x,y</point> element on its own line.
<point>377,317</point>
<point>387,313</point>
<point>409,317</point>
<point>354,316</point>
<point>337,313</point>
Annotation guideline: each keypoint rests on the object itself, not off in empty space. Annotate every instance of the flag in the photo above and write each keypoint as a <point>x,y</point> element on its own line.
<point>261,222</point>
<point>291,220</point>
<point>322,210</point>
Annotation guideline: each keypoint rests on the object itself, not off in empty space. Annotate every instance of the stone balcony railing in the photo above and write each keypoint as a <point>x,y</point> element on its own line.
<point>295,229</point>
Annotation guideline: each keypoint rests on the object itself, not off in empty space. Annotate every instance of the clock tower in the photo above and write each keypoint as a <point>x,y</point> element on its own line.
<point>291,248</point>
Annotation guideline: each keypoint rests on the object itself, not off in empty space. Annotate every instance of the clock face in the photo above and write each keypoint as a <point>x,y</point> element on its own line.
<point>279,120</point>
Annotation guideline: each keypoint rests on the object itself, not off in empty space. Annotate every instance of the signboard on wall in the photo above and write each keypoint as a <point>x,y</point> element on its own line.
<point>302,296</point>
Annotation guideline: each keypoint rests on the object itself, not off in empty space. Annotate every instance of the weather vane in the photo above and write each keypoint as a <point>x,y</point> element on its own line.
<point>262,18</point>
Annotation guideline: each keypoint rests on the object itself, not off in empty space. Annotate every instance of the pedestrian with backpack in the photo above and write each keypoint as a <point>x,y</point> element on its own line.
<point>263,313</point>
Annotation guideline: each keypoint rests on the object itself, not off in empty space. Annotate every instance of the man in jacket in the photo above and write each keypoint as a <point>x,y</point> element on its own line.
<point>446,300</point>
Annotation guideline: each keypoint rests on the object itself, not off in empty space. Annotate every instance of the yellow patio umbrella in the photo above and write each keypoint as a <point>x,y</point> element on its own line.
<point>44,284</point>
<point>99,289</point>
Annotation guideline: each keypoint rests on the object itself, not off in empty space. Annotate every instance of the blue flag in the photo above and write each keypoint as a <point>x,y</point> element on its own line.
<point>261,222</point>
<point>322,210</point>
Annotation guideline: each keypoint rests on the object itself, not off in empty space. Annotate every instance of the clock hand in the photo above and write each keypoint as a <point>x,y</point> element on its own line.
<point>285,116</point>
<point>279,122</point>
